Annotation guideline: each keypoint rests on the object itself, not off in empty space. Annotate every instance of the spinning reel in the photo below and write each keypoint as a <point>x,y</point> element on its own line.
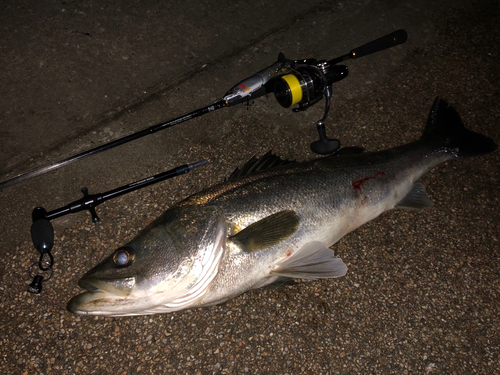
<point>301,82</point>
<point>306,85</point>
<point>305,82</point>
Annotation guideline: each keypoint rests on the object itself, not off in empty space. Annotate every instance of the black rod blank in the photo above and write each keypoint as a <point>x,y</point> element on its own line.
<point>117,142</point>
<point>89,202</point>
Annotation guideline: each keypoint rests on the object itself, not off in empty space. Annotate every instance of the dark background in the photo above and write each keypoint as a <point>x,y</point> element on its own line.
<point>421,294</point>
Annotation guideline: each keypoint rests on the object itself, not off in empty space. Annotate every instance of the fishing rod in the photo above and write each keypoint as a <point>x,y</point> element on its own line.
<point>293,82</point>
<point>42,232</point>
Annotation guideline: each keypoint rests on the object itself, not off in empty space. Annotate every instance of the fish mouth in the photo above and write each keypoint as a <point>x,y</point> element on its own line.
<point>86,303</point>
<point>103,297</point>
<point>116,286</point>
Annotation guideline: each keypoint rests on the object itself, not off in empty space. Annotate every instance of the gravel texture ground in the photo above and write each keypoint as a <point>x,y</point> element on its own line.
<point>422,292</point>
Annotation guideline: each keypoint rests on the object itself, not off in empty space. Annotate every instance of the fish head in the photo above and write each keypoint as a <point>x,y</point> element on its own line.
<point>167,267</point>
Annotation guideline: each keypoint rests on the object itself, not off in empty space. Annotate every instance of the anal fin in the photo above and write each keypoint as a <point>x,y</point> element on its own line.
<point>416,199</point>
<point>313,261</point>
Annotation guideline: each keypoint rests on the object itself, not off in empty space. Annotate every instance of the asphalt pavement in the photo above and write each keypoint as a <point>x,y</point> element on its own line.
<point>422,292</point>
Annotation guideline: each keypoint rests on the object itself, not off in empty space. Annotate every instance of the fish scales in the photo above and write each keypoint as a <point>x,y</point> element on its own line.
<point>322,193</point>
<point>255,229</point>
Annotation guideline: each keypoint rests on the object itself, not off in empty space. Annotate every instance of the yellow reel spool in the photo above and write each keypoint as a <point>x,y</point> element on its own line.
<point>294,86</point>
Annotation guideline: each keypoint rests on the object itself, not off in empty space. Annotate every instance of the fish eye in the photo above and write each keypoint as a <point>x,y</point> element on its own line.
<point>123,257</point>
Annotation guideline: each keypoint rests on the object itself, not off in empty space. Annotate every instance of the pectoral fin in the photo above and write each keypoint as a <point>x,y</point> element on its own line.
<point>313,261</point>
<point>267,232</point>
<point>416,199</point>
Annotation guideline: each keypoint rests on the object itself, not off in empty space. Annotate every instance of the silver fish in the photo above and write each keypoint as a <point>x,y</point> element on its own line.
<point>273,223</point>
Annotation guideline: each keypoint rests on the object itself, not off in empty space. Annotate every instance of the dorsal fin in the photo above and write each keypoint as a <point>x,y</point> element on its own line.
<point>351,150</point>
<point>269,160</point>
<point>255,164</point>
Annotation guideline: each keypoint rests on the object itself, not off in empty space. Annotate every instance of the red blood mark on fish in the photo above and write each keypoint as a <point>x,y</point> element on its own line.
<point>357,184</point>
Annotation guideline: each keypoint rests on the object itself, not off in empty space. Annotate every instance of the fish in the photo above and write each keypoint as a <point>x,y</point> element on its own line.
<point>271,221</point>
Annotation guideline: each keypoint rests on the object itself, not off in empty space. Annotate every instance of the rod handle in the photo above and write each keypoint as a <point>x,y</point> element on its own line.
<point>393,39</point>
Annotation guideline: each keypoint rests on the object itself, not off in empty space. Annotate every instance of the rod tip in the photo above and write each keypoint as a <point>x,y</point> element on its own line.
<point>199,163</point>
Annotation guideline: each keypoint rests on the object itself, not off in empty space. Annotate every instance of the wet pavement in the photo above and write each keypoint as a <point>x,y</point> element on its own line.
<point>421,295</point>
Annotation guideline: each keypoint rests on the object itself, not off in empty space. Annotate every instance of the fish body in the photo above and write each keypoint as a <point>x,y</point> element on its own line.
<point>276,223</point>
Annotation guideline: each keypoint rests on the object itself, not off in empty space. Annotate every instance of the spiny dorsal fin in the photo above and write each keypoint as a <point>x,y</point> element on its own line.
<point>351,150</point>
<point>267,232</point>
<point>255,164</point>
<point>269,160</point>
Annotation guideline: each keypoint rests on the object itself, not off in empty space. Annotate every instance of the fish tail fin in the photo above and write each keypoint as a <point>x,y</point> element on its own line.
<point>444,124</point>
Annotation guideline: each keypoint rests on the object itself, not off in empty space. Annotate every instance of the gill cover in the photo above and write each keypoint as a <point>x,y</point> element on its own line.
<point>198,235</point>
<point>167,267</point>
